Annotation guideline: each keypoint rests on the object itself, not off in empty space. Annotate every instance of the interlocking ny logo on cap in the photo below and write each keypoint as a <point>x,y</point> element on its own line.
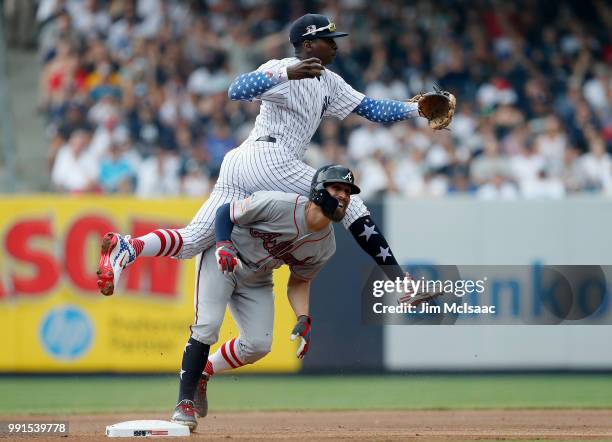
<point>312,29</point>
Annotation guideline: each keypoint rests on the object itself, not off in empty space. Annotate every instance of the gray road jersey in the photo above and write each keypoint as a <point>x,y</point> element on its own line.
<point>270,230</point>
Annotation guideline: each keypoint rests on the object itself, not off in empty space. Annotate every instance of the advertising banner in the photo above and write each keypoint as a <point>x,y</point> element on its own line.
<point>53,319</point>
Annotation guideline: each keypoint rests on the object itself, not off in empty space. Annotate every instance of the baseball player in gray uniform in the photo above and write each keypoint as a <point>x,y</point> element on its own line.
<point>296,93</point>
<point>254,236</point>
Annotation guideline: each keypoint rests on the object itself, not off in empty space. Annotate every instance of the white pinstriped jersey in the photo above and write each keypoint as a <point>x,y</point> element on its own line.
<point>292,111</point>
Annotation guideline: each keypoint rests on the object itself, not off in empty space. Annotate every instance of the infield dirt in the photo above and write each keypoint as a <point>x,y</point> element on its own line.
<point>364,425</point>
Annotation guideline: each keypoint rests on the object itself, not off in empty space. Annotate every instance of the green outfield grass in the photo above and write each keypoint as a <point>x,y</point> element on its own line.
<point>30,395</point>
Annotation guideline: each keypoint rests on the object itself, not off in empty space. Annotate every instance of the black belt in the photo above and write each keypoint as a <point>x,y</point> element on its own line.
<point>267,138</point>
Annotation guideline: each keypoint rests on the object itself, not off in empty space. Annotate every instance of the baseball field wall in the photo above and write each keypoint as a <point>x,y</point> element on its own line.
<point>53,319</point>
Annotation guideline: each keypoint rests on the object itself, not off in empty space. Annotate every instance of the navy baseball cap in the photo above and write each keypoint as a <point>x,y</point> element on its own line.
<point>311,27</point>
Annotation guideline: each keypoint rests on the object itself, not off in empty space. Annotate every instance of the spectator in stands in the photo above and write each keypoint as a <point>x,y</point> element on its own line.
<point>497,187</point>
<point>75,170</point>
<point>73,118</point>
<point>596,166</point>
<point>158,175</point>
<point>116,173</point>
<point>217,144</point>
<point>543,186</point>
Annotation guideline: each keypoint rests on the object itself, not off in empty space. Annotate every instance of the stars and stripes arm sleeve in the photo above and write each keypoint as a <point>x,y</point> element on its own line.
<point>254,84</point>
<point>386,111</point>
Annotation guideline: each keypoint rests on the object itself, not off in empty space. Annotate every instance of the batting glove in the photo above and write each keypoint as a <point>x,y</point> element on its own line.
<point>227,257</point>
<point>302,329</point>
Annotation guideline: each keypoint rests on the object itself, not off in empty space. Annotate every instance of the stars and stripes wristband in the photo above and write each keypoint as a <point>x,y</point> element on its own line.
<point>386,111</point>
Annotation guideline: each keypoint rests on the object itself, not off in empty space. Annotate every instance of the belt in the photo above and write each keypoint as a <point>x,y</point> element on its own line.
<point>267,138</point>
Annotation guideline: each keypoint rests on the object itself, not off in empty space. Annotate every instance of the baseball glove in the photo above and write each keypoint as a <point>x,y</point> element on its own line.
<point>438,107</point>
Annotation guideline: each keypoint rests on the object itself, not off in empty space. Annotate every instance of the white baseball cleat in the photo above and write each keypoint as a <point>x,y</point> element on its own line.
<point>116,253</point>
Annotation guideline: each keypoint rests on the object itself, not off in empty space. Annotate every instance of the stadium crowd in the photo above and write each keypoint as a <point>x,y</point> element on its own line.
<point>135,93</point>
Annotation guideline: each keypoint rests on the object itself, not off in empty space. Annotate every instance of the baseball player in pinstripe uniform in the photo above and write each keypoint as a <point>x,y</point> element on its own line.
<point>296,93</point>
<point>254,236</point>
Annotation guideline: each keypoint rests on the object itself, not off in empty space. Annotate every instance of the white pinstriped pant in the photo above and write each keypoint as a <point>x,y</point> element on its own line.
<point>252,167</point>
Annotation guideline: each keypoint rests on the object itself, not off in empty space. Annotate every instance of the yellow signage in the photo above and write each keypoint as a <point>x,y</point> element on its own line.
<point>53,319</point>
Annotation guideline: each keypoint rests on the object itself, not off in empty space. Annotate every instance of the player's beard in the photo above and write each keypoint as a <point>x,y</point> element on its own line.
<point>338,214</point>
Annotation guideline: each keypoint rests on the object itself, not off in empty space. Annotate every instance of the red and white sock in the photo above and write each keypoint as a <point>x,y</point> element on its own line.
<point>161,242</point>
<point>208,370</point>
<point>223,359</point>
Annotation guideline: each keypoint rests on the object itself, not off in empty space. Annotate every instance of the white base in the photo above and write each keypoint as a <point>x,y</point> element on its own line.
<point>147,428</point>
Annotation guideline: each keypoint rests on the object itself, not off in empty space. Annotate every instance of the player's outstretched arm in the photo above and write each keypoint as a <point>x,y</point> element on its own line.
<point>386,111</point>
<point>298,293</point>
